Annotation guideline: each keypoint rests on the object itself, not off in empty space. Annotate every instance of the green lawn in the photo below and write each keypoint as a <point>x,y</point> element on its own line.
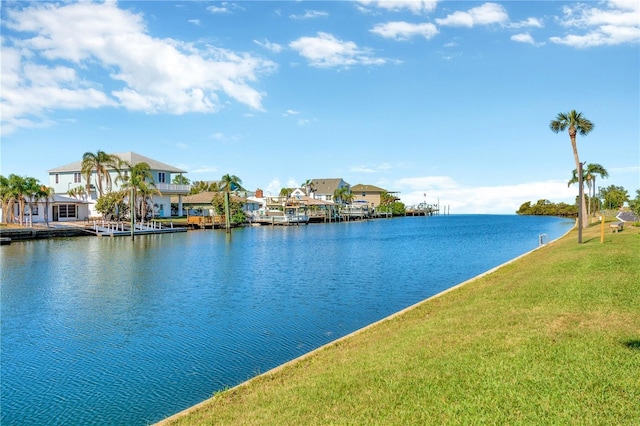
<point>552,338</point>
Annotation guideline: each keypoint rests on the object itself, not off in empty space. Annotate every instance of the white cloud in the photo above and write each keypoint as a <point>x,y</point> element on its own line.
<point>194,21</point>
<point>326,51</point>
<point>527,23</point>
<point>273,47</point>
<point>503,199</point>
<point>523,38</point>
<point>310,14</point>
<point>405,30</point>
<point>486,14</point>
<point>146,73</point>
<point>415,6</point>
<point>204,169</point>
<point>617,23</point>
<point>290,112</point>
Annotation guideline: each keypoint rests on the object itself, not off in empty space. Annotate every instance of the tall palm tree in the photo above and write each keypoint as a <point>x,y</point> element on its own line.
<point>5,197</point>
<point>229,183</point>
<point>592,171</point>
<point>575,123</point>
<point>100,163</point>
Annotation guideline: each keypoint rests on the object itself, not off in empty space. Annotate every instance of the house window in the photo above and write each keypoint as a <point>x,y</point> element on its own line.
<point>34,210</point>
<point>162,178</point>
<point>57,178</point>
<point>77,177</point>
<point>328,197</point>
<point>67,211</point>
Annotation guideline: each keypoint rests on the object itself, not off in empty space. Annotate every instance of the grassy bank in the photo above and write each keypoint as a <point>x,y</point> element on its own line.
<point>552,338</point>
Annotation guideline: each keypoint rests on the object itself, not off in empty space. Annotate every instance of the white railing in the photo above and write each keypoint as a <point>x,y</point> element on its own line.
<point>173,188</point>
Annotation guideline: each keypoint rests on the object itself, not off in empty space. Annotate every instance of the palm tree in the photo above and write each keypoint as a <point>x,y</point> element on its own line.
<point>5,197</point>
<point>139,182</point>
<point>592,171</point>
<point>575,123</point>
<point>100,163</point>
<point>230,183</point>
<point>308,186</point>
<point>45,193</point>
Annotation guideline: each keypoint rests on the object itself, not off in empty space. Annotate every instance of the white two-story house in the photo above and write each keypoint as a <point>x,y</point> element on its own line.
<point>65,178</point>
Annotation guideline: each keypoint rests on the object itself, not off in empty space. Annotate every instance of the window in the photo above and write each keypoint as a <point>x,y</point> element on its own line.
<point>77,178</point>
<point>57,178</point>
<point>162,177</point>
<point>34,210</point>
<point>67,211</point>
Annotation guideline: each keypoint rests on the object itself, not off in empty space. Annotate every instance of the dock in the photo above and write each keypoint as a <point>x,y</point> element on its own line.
<point>121,229</point>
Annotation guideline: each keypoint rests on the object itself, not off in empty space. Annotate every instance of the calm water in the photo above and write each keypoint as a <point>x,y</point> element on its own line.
<point>110,331</point>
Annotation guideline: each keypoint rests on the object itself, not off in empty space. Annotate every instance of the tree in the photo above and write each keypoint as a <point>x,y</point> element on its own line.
<point>614,196</point>
<point>592,171</point>
<point>139,181</point>
<point>635,203</point>
<point>285,192</point>
<point>343,195</point>
<point>575,123</point>
<point>308,187</point>
<point>45,193</point>
<point>100,163</point>
<point>200,186</point>
<point>79,192</point>
<point>6,198</point>
<point>180,180</point>
<point>229,183</point>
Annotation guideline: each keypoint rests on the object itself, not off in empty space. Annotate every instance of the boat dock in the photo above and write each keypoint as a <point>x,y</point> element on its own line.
<point>121,229</point>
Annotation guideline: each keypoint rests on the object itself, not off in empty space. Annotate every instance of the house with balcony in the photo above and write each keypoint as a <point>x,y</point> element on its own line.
<point>68,180</point>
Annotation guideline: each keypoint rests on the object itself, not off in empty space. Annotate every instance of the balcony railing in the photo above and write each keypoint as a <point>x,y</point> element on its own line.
<point>170,188</point>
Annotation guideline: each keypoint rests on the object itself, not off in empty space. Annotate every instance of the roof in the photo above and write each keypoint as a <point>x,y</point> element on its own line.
<point>308,201</point>
<point>326,186</point>
<point>206,197</point>
<point>366,188</point>
<point>59,199</point>
<point>130,157</point>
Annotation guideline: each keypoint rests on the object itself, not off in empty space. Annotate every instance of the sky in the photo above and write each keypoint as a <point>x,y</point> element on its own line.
<point>439,101</point>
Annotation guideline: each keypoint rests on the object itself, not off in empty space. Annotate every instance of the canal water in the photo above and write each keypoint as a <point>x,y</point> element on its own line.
<point>120,332</point>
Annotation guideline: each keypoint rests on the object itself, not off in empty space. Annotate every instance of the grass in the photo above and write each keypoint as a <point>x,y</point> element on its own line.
<point>552,338</point>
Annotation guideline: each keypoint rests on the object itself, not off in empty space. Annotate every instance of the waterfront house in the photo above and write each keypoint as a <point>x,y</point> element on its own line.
<point>324,189</point>
<point>57,208</point>
<point>196,204</point>
<point>370,194</point>
<point>65,179</point>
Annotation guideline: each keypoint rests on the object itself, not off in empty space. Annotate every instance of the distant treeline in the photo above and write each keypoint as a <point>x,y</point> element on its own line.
<point>547,208</point>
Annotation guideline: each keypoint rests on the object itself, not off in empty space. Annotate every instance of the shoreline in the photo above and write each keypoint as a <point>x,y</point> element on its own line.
<point>307,355</point>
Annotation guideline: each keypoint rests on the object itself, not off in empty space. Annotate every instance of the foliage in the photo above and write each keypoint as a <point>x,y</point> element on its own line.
<point>237,215</point>
<point>180,180</point>
<point>575,123</point>
<point>285,192</point>
<point>547,208</point>
<point>139,180</point>
<point>635,203</point>
<point>113,205</point>
<point>201,186</point>
<point>343,195</point>
<point>614,197</point>
<point>100,163</point>
<point>230,183</point>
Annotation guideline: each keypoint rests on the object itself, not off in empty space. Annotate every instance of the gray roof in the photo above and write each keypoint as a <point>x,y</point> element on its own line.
<point>326,186</point>
<point>130,157</point>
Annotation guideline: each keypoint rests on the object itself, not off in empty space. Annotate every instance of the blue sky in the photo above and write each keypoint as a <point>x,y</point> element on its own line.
<point>445,98</point>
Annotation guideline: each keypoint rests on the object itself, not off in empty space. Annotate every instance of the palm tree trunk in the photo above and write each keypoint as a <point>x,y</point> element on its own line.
<point>582,206</point>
